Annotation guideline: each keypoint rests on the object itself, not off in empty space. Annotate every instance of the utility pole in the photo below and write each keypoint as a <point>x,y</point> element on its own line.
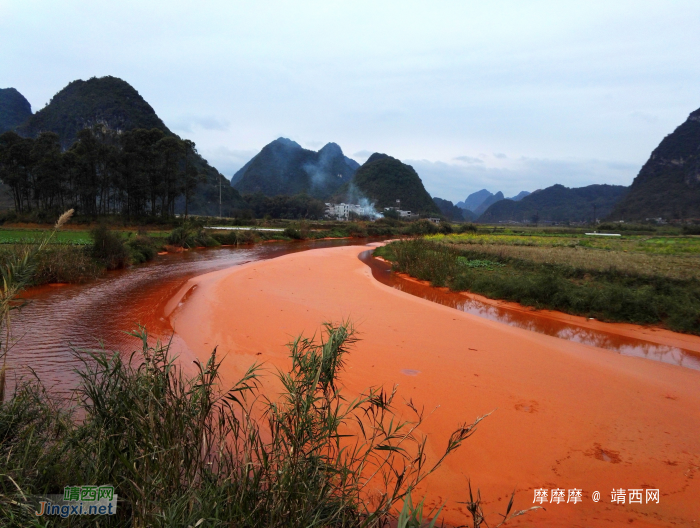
<point>220,195</point>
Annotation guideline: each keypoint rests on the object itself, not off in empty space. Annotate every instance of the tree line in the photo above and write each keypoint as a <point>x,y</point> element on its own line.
<point>134,173</point>
<point>298,206</point>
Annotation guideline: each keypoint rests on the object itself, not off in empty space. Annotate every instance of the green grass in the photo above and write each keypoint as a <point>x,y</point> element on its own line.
<point>74,236</point>
<point>29,236</point>
<point>571,285</point>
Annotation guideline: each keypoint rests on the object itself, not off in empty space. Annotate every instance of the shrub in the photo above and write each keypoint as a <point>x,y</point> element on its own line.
<point>356,230</point>
<point>56,263</point>
<point>468,228</point>
<point>108,247</point>
<point>66,263</point>
<point>421,227</point>
<point>141,249</point>
<point>292,233</point>
<point>445,228</point>
<point>391,214</point>
<point>190,236</point>
<point>691,229</point>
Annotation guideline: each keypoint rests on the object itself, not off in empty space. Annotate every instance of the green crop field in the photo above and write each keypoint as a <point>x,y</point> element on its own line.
<point>662,245</point>
<point>637,279</point>
<point>76,237</point>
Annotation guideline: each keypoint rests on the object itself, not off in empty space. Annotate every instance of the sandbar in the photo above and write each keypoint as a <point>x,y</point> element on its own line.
<point>565,415</point>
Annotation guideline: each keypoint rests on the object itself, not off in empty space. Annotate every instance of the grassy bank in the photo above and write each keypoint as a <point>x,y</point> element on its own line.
<point>83,253</point>
<point>606,284</point>
<point>183,452</point>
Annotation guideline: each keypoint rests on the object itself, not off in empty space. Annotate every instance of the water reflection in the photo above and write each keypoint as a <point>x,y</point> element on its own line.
<point>532,321</point>
<point>58,319</point>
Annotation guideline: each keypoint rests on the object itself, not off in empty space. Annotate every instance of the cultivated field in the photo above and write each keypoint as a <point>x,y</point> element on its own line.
<point>674,257</point>
<point>638,279</point>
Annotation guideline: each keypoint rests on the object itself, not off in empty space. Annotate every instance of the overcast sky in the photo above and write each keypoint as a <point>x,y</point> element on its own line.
<point>506,95</point>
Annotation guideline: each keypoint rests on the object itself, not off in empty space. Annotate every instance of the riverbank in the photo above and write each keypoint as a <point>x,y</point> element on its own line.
<point>74,256</point>
<point>566,415</point>
<point>629,339</point>
<point>658,287</point>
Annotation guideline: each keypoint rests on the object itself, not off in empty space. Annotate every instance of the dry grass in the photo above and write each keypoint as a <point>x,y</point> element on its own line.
<point>659,245</point>
<point>682,267</point>
<point>607,285</point>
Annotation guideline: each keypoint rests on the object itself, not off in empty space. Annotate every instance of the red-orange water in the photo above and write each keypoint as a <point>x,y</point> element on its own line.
<point>532,321</point>
<point>59,319</point>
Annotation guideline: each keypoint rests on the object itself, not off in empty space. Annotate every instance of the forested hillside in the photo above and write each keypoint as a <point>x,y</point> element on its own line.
<point>99,146</point>
<point>450,210</point>
<point>284,167</point>
<point>668,185</point>
<point>83,104</point>
<point>382,180</point>
<point>14,109</point>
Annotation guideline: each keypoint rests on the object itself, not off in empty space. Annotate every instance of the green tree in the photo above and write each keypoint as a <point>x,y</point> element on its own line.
<point>16,166</point>
<point>170,152</point>
<point>191,177</point>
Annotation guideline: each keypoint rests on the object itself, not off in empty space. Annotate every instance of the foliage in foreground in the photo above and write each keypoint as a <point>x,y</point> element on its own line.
<point>180,451</point>
<point>610,294</point>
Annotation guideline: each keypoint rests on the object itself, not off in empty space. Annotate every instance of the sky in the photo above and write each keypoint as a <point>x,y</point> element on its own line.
<point>502,95</point>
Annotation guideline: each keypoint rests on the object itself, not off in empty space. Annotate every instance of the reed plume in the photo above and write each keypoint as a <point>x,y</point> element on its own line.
<point>17,274</point>
<point>63,219</point>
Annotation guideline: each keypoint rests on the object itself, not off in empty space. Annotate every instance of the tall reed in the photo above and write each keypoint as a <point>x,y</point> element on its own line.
<point>17,272</point>
<point>181,451</point>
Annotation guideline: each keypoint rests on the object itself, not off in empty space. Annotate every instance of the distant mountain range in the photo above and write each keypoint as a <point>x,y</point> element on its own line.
<point>284,167</point>
<point>554,204</point>
<point>383,180</point>
<point>668,185</point>
<point>488,203</point>
<point>474,200</point>
<point>14,109</point>
<point>479,201</point>
<point>557,204</point>
<point>114,103</point>
<point>450,210</point>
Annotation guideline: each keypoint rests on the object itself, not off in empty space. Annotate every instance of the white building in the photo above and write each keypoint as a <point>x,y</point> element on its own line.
<point>342,211</point>
<point>402,213</point>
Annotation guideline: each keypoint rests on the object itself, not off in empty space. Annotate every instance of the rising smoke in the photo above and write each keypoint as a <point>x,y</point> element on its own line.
<point>355,196</point>
<point>322,173</point>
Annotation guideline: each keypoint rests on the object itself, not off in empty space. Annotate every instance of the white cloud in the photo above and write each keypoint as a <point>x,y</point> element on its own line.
<point>188,123</point>
<point>362,155</point>
<point>226,160</point>
<point>469,159</point>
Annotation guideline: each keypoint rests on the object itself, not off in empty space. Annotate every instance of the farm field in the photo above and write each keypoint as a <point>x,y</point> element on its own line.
<point>637,279</point>
<point>66,236</point>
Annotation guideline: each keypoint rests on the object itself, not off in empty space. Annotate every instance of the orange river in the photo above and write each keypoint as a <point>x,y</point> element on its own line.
<point>566,415</point>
